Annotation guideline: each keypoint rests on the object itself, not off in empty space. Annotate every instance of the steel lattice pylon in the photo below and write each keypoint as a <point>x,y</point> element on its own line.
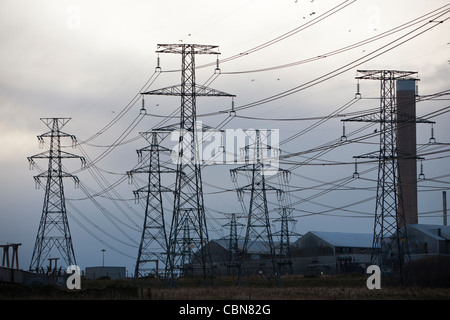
<point>258,223</point>
<point>188,236</point>
<point>284,258</point>
<point>153,246</point>
<point>54,227</point>
<point>390,241</point>
<point>233,253</point>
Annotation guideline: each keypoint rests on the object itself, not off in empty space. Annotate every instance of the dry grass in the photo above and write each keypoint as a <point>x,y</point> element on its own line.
<point>344,287</point>
<point>307,293</point>
<point>298,288</point>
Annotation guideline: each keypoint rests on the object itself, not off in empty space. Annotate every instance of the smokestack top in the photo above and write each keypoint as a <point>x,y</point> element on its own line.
<point>406,85</point>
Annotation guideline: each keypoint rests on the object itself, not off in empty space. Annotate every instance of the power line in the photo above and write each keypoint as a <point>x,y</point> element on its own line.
<point>343,49</point>
<point>349,66</point>
<point>127,108</point>
<point>284,36</point>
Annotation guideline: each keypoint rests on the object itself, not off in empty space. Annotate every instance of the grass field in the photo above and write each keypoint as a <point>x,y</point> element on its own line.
<point>431,278</point>
<point>337,287</point>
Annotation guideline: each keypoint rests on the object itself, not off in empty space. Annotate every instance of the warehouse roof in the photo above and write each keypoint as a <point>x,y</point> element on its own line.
<point>253,246</point>
<point>435,231</point>
<point>344,239</point>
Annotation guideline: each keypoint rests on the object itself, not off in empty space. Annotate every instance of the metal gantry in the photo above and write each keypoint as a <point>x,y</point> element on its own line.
<point>188,232</point>
<point>54,231</point>
<point>14,257</point>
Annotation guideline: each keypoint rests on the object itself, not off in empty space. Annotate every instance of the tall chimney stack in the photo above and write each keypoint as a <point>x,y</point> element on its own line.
<point>406,148</point>
<point>444,207</point>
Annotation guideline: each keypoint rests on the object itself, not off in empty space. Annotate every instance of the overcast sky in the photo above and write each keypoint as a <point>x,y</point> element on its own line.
<point>88,59</point>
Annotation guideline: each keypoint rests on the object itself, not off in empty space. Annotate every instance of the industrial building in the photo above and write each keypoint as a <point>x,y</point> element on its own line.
<point>321,243</point>
<point>93,273</point>
<point>428,239</point>
<point>258,258</point>
<point>329,252</point>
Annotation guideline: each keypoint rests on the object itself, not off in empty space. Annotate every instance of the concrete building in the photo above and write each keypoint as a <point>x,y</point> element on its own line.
<point>93,273</point>
<point>258,258</point>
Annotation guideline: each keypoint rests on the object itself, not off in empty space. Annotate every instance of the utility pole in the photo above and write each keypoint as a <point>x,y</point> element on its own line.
<point>188,230</point>
<point>54,229</point>
<point>153,246</point>
<point>390,241</point>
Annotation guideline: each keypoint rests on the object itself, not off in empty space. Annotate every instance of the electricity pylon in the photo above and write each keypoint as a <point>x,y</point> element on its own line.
<point>284,258</point>
<point>258,223</point>
<point>153,246</point>
<point>54,229</point>
<point>390,241</point>
<point>233,254</point>
<point>188,230</point>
